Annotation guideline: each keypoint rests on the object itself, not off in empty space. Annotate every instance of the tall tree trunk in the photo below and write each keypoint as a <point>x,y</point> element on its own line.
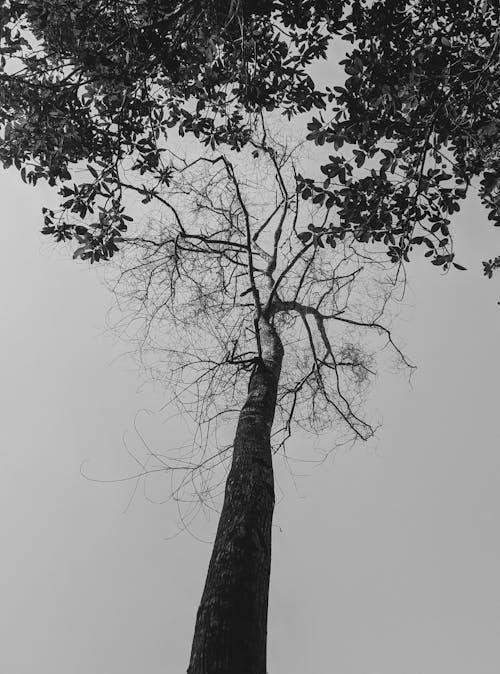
<point>231,624</point>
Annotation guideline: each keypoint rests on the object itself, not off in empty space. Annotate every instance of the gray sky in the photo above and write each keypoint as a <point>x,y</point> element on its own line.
<point>386,557</point>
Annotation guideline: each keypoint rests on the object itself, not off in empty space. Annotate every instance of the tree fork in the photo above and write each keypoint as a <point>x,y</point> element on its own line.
<point>231,625</point>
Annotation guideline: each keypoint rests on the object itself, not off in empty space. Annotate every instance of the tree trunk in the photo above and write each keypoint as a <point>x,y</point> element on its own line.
<point>231,624</point>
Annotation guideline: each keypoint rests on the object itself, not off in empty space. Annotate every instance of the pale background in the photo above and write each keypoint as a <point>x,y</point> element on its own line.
<point>386,557</point>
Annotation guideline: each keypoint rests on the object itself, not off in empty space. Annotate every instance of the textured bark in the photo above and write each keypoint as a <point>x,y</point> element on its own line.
<point>231,624</point>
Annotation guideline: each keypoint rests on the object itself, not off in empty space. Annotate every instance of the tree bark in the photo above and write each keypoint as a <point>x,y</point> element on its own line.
<point>231,625</point>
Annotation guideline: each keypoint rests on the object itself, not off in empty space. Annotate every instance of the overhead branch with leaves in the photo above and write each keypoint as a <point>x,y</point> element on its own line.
<point>101,83</point>
<point>98,84</point>
<point>415,126</point>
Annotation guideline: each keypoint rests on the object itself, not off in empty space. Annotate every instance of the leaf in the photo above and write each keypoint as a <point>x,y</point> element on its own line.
<point>359,158</point>
<point>79,252</point>
<point>305,236</point>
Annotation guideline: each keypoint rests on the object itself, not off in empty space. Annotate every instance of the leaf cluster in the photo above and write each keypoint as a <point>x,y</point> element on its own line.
<point>414,126</point>
<point>98,83</point>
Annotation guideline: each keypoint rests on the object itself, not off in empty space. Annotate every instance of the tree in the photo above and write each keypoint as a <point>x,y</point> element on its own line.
<point>266,324</point>
<point>98,86</point>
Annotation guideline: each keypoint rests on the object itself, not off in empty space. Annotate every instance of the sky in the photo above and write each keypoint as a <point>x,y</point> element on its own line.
<point>385,556</point>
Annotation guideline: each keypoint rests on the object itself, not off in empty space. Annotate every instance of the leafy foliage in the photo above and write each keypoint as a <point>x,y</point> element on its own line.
<point>418,119</point>
<point>102,82</point>
<point>414,125</point>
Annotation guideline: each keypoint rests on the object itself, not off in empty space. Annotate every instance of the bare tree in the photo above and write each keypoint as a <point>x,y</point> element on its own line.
<point>237,302</point>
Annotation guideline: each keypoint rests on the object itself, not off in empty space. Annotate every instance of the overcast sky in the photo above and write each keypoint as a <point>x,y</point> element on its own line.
<point>386,557</point>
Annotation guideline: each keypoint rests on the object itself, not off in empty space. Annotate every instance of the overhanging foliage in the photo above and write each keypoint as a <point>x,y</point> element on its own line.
<point>414,125</point>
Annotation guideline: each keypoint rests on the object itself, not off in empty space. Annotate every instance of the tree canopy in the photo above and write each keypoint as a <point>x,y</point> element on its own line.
<point>414,125</point>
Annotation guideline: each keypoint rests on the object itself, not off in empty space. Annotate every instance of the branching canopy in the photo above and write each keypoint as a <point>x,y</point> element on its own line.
<point>226,251</point>
<point>414,125</point>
